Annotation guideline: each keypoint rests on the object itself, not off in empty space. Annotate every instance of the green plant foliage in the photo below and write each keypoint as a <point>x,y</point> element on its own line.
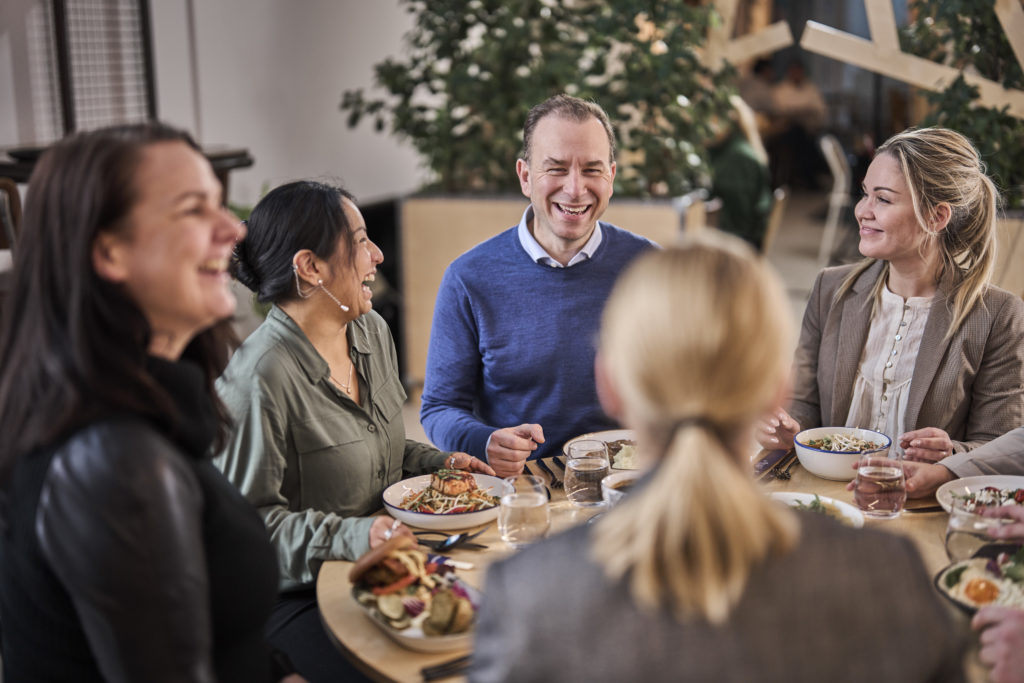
<point>967,34</point>
<point>473,68</point>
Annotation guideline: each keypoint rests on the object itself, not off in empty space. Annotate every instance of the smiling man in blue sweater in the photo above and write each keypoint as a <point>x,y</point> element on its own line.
<point>510,368</point>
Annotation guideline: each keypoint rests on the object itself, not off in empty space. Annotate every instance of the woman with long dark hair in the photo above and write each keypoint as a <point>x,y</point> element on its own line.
<point>125,555</point>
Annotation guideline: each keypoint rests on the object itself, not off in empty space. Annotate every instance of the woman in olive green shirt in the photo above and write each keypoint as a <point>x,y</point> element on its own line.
<point>315,393</point>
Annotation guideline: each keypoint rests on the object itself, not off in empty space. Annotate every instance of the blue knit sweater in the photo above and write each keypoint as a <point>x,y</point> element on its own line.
<point>513,342</point>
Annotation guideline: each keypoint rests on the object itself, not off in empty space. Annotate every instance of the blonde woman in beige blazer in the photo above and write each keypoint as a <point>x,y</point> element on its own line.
<point>927,227</point>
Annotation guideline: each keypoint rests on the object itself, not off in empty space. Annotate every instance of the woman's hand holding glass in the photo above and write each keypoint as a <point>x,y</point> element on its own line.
<point>777,430</point>
<point>930,444</point>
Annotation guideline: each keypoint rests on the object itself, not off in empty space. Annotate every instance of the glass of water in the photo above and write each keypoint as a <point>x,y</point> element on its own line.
<point>880,489</point>
<point>587,466</point>
<point>523,515</point>
<point>967,531</point>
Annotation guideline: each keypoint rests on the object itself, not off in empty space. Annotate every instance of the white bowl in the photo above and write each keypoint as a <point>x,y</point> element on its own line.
<point>394,494</point>
<point>835,465</point>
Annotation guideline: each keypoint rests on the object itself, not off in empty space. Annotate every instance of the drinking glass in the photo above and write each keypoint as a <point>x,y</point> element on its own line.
<point>967,531</point>
<point>523,515</point>
<point>586,467</point>
<point>880,490</point>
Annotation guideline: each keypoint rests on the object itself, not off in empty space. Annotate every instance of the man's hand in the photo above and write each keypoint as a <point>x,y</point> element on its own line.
<point>930,444</point>
<point>465,461</point>
<point>509,448</point>
<point>777,431</point>
<point>923,478</point>
<point>1002,642</point>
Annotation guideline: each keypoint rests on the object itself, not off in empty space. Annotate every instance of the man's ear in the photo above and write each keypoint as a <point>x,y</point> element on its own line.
<point>607,394</point>
<point>523,171</point>
<point>109,258</point>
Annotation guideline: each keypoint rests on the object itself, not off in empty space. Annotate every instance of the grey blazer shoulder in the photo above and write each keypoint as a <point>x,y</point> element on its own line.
<point>550,614</point>
<point>970,384</point>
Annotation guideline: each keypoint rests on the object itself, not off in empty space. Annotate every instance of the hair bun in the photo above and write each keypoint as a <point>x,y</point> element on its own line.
<point>240,268</point>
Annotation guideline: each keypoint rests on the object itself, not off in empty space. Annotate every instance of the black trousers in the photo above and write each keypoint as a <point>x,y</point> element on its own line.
<point>295,627</point>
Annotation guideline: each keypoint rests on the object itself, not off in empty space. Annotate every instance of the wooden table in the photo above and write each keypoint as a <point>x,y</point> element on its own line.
<point>383,660</point>
<point>368,647</point>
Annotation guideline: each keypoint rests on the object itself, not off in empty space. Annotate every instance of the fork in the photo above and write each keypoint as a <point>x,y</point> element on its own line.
<point>556,483</point>
<point>784,474</point>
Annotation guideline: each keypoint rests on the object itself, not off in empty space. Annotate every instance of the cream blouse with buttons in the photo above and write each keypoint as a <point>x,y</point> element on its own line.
<point>886,367</point>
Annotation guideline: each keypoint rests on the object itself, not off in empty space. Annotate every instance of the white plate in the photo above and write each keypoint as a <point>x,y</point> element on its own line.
<point>973,484</point>
<point>606,436</point>
<point>394,494</point>
<point>855,516</point>
<point>414,638</point>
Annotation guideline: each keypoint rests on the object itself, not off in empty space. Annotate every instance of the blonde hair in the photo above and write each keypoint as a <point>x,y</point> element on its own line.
<point>941,166</point>
<point>695,340</point>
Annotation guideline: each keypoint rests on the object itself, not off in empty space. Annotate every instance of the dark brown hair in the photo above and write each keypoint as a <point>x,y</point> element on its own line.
<point>73,344</point>
<point>567,107</point>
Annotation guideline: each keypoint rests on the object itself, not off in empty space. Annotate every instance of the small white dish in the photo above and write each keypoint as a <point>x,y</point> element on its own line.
<point>963,487</point>
<point>452,521</point>
<point>607,436</point>
<point>852,514</point>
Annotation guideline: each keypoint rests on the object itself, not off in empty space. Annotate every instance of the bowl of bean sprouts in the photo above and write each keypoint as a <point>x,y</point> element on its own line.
<point>831,452</point>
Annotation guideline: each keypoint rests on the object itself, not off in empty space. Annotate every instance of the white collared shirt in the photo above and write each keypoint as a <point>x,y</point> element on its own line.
<point>538,253</point>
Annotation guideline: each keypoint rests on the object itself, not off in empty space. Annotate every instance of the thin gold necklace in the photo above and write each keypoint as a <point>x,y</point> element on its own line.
<point>347,388</point>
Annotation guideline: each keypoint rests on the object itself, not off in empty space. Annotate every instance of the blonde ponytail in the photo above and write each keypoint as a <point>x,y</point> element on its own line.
<point>693,537</point>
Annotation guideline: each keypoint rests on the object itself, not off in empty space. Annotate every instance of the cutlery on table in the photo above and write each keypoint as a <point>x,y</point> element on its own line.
<point>453,667</point>
<point>558,461</point>
<point>784,474</point>
<point>527,470</point>
<point>450,542</point>
<point>556,483</point>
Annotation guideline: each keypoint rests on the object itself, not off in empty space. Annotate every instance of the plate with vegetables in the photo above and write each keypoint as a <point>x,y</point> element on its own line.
<point>414,597</point>
<point>446,500</point>
<point>988,490</point>
<point>993,576</point>
<point>812,502</point>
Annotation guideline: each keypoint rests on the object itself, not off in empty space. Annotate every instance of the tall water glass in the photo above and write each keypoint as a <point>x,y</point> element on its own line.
<point>523,515</point>
<point>880,490</point>
<point>967,531</point>
<point>587,466</point>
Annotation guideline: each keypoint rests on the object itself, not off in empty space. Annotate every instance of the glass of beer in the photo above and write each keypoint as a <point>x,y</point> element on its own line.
<point>587,466</point>
<point>880,489</point>
<point>523,515</point>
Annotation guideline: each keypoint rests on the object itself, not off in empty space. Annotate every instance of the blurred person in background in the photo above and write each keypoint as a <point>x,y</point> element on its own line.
<point>740,176</point>
<point>125,555</point>
<point>316,400</point>
<point>914,341</point>
<point>696,575</point>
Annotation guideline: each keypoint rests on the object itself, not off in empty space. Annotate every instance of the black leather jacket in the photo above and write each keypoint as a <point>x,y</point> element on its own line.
<point>128,558</point>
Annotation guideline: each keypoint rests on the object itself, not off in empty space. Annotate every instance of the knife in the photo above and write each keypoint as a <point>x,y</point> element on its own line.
<point>558,461</point>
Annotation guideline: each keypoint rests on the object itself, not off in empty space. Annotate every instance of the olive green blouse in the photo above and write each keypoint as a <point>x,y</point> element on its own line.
<point>312,461</point>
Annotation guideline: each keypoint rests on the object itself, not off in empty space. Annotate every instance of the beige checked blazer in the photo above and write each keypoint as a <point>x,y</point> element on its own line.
<point>971,385</point>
